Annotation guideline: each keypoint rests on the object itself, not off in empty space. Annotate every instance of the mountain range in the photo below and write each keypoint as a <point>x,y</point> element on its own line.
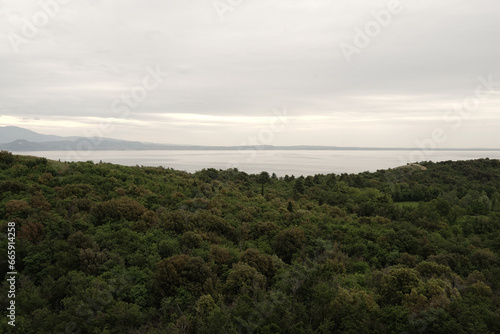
<point>17,139</point>
<point>13,138</point>
<point>12,133</point>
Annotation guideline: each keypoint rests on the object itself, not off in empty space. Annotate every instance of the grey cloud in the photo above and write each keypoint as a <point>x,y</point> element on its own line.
<point>263,56</point>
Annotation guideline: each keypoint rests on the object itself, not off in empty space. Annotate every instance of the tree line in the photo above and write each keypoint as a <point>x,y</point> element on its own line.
<point>104,248</point>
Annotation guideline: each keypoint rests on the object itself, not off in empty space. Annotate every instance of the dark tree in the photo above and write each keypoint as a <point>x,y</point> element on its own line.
<point>263,179</point>
<point>298,187</point>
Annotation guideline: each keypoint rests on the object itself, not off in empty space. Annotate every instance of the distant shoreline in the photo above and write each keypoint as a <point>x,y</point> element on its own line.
<point>17,139</point>
<point>259,148</point>
<point>281,162</point>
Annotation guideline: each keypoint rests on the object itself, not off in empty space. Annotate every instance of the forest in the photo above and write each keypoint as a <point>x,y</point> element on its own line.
<point>103,248</point>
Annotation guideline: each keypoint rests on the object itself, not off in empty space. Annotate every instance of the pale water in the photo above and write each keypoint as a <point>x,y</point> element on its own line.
<point>280,162</point>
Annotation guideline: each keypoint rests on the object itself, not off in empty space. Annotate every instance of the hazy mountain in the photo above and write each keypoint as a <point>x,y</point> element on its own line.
<point>18,140</point>
<point>12,133</point>
<point>85,144</point>
<point>14,138</point>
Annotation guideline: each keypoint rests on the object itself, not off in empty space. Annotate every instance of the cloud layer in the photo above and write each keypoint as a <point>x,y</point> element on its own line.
<point>70,66</point>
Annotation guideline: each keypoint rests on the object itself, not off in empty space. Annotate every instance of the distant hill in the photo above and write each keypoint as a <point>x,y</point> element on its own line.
<point>12,133</point>
<point>17,139</point>
<point>86,144</point>
<point>13,138</point>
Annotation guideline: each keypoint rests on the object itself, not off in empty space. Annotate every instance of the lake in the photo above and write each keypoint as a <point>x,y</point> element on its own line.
<point>281,162</point>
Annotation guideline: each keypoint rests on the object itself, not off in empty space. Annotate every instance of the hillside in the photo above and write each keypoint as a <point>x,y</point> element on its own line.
<point>17,139</point>
<point>12,133</point>
<point>104,248</point>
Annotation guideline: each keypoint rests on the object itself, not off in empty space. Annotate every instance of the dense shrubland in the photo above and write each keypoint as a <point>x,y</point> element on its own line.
<point>103,248</point>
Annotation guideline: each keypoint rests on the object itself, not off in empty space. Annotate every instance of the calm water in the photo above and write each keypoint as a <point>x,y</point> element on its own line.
<point>279,162</point>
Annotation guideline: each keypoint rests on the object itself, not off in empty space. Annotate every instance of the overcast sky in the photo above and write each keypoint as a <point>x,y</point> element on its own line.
<point>312,72</point>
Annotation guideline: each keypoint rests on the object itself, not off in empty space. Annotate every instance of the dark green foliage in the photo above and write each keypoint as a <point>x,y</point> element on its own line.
<point>288,242</point>
<point>298,186</point>
<point>262,262</point>
<point>263,179</point>
<point>6,159</point>
<point>117,209</point>
<point>103,248</point>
